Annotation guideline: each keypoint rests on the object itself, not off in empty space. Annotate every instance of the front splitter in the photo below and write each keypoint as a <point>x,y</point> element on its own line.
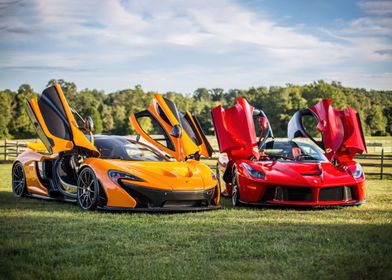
<point>161,209</point>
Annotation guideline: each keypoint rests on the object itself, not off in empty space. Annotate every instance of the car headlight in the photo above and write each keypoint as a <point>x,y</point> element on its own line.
<point>116,175</point>
<point>358,171</point>
<point>253,172</point>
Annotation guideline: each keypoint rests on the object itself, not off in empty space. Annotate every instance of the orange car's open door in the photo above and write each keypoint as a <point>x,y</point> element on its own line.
<point>55,123</point>
<point>179,135</point>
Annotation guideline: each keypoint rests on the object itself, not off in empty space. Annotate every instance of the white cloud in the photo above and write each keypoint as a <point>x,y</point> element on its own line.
<point>181,45</point>
<point>377,7</point>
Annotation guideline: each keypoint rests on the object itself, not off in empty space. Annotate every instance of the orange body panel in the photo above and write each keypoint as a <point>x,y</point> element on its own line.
<point>171,176</point>
<point>183,145</point>
<point>162,177</point>
<point>29,159</point>
<point>79,138</point>
<point>60,145</point>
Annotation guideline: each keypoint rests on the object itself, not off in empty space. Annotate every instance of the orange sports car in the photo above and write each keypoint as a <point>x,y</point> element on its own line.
<point>113,172</point>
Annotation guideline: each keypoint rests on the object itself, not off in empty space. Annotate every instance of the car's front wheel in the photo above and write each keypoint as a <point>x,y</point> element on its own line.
<point>88,189</point>
<point>18,180</point>
<point>235,193</point>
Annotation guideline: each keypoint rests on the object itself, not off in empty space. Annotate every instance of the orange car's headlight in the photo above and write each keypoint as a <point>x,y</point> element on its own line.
<point>115,175</point>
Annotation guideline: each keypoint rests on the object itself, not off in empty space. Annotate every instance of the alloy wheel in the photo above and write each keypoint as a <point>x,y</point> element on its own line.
<point>87,190</point>
<point>18,180</point>
<point>235,193</point>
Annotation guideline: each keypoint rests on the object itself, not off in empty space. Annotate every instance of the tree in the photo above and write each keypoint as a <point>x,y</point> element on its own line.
<point>94,114</point>
<point>5,112</point>
<point>107,118</point>
<point>21,126</point>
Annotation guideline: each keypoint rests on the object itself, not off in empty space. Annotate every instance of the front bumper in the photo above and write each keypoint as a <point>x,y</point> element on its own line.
<point>152,199</point>
<point>161,209</point>
<point>308,204</point>
<point>345,195</point>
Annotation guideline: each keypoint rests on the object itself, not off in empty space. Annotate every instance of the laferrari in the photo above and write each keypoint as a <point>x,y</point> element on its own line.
<point>113,172</point>
<point>300,171</point>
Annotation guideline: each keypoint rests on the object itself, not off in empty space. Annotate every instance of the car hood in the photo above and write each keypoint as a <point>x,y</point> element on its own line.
<point>305,174</point>
<point>190,175</point>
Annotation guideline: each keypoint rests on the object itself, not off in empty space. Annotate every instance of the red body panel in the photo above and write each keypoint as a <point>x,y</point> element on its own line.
<point>310,176</point>
<point>235,130</point>
<point>306,183</point>
<point>342,132</point>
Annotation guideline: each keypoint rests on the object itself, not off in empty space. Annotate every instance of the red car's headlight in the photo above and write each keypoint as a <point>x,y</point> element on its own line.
<point>357,172</point>
<point>253,172</point>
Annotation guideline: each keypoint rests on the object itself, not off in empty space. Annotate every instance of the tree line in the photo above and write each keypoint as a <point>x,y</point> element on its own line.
<point>110,111</point>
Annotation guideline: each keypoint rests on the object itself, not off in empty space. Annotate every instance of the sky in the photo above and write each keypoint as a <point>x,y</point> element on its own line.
<point>175,45</point>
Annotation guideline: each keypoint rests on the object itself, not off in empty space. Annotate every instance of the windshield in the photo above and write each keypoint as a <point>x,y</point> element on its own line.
<point>112,147</point>
<point>292,150</point>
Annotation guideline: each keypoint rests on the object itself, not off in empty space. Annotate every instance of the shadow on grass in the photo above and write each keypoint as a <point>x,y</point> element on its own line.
<point>9,201</point>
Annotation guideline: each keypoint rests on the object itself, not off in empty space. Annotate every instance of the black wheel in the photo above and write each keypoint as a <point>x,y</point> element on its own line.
<point>235,193</point>
<point>18,180</point>
<point>88,189</point>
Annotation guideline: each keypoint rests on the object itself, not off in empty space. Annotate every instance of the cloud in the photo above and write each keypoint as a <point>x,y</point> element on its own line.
<point>376,7</point>
<point>181,45</point>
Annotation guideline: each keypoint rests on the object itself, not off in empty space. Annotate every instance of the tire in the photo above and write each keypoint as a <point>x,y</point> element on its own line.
<point>88,190</point>
<point>235,193</point>
<point>19,187</point>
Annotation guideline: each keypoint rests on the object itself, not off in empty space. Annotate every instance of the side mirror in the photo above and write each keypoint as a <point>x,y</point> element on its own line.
<point>263,122</point>
<point>89,124</point>
<point>176,131</point>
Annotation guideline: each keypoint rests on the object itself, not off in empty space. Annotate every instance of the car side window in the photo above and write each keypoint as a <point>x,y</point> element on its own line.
<point>153,128</point>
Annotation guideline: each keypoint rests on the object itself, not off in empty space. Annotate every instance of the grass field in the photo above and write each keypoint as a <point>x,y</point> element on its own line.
<point>53,240</point>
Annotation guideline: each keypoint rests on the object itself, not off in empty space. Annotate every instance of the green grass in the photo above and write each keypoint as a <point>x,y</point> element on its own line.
<point>53,240</point>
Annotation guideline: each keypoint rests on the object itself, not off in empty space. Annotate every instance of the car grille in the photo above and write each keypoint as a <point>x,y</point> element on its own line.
<point>336,193</point>
<point>288,194</point>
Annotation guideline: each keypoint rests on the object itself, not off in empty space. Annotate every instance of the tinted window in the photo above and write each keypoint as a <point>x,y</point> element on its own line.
<point>152,128</point>
<point>52,95</point>
<point>173,108</point>
<point>190,129</point>
<point>291,150</point>
<point>79,120</point>
<point>123,149</point>
<point>53,119</point>
<point>45,140</point>
<point>163,115</point>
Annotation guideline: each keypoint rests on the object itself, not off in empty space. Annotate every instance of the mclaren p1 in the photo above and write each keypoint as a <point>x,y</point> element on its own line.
<point>113,172</point>
<point>299,171</point>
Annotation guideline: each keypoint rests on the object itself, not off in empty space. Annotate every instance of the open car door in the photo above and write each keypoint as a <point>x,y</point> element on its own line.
<point>179,135</point>
<point>341,130</point>
<point>235,130</point>
<point>55,123</point>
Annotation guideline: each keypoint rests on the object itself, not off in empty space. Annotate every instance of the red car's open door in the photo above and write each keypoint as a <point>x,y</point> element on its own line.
<point>341,130</point>
<point>235,130</point>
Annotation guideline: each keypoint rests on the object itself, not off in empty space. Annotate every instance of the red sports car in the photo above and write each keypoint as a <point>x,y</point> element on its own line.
<point>266,171</point>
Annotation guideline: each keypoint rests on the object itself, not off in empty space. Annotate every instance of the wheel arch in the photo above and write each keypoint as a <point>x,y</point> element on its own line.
<point>103,197</point>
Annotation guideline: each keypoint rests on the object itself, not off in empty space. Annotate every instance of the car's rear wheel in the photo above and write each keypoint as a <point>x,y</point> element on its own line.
<point>88,189</point>
<point>18,180</point>
<point>235,193</point>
